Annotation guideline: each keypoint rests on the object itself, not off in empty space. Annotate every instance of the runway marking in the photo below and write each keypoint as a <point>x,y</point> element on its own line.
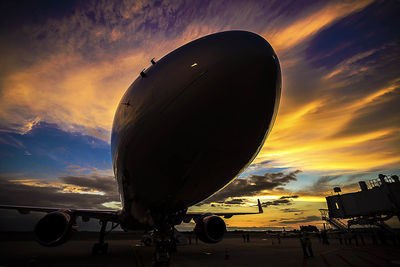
<point>138,259</point>
<point>322,253</point>
<point>329,251</point>
<point>325,260</point>
<point>368,261</point>
<point>376,256</point>
<point>345,260</point>
<point>304,262</point>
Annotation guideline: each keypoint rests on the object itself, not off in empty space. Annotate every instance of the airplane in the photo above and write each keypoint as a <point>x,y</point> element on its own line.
<point>187,126</point>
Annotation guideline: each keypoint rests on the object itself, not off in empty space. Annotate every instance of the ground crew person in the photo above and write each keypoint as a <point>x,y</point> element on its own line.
<point>306,245</point>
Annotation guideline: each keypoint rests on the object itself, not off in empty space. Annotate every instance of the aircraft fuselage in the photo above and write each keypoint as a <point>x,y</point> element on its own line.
<point>192,121</point>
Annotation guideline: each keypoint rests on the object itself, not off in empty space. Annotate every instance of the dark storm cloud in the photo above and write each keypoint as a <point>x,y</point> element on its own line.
<point>15,193</point>
<point>289,210</point>
<point>312,218</point>
<point>347,183</point>
<point>321,185</point>
<point>288,197</point>
<point>253,185</point>
<point>234,201</point>
<point>284,200</point>
<point>276,202</point>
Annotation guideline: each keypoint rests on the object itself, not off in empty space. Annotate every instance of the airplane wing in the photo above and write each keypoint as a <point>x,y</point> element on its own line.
<point>226,215</point>
<point>113,215</point>
<point>108,215</point>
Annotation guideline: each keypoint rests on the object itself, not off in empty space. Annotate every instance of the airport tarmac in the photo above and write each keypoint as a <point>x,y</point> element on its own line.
<point>232,251</point>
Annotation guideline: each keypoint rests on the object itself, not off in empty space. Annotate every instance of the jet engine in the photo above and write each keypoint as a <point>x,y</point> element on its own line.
<point>54,229</point>
<point>210,228</point>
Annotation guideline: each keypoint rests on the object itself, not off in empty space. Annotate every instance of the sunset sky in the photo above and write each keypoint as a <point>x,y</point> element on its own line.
<point>66,64</point>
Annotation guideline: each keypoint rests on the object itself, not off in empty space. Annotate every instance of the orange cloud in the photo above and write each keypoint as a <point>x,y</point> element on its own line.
<point>346,66</point>
<point>76,93</point>
<point>284,38</point>
<point>115,35</point>
<point>70,92</point>
<point>306,137</point>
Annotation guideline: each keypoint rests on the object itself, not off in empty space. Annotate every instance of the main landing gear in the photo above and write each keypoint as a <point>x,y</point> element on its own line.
<point>101,247</point>
<point>165,246</point>
<point>163,235</point>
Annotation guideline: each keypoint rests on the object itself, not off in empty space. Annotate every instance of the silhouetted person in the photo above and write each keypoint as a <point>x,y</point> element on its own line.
<point>362,239</point>
<point>279,238</point>
<point>306,245</point>
<point>373,236</point>
<point>244,238</point>
<point>340,238</point>
<point>227,254</point>
<point>348,236</point>
<point>324,237</point>
<point>356,238</point>
<point>382,237</point>
<point>248,237</point>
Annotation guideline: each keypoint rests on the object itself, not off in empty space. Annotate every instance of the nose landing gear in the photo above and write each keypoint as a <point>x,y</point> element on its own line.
<point>165,246</point>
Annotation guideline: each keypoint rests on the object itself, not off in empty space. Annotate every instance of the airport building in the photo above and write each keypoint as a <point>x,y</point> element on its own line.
<point>377,201</point>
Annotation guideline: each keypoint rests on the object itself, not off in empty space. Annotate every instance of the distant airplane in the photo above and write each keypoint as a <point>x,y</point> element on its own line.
<point>183,130</point>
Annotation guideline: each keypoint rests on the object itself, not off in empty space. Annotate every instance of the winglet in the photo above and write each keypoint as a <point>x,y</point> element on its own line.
<point>260,209</point>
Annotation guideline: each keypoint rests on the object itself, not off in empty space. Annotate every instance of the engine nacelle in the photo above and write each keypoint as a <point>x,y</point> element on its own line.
<point>210,228</point>
<point>54,229</point>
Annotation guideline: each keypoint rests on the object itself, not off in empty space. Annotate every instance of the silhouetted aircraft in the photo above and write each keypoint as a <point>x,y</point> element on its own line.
<point>183,130</point>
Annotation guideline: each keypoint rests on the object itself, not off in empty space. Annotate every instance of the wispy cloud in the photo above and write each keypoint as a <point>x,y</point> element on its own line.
<point>305,27</point>
<point>333,137</point>
<point>12,141</point>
